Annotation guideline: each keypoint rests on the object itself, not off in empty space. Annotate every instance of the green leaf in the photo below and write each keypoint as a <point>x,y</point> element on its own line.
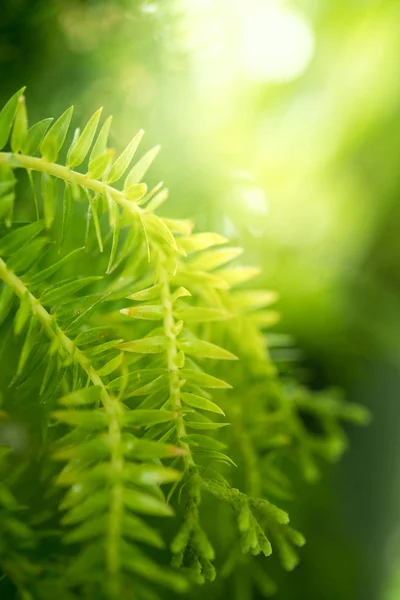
<point>21,236</point>
<point>54,138</point>
<point>153,475</point>
<point>157,201</point>
<point>24,258</point>
<point>142,449</point>
<point>87,419</point>
<point>203,441</point>
<point>148,313</point>
<point>136,529</point>
<point>114,246</point>
<point>91,506</point>
<point>215,258</point>
<point>201,379</point>
<point>200,314</point>
<point>45,274</point>
<point>68,202</point>
<point>204,349</point>
<point>182,226</point>
<point>200,241</point>
<point>78,151</point>
<point>49,198</point>
<point>90,395</point>
<point>140,417</point>
<point>254,299</point>
<point>6,302</point>
<point>88,530</point>
<point>28,345</point>
<point>149,345</point>
<point>236,275</point>
<point>100,145</point>
<point>139,170</point>
<point>59,294</point>
<point>34,136</point>
<point>202,403</point>
<point>111,366</point>
<point>135,192</point>
<point>101,348</point>
<point>23,313</point>
<point>7,115</point>
<point>146,504</point>
<point>205,425</point>
<point>100,164</point>
<point>160,230</point>
<point>147,294</point>
<point>123,161</point>
<point>20,127</point>
<point>95,216</point>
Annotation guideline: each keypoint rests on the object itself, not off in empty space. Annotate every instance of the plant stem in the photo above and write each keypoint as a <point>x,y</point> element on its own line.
<point>32,163</point>
<point>171,356</point>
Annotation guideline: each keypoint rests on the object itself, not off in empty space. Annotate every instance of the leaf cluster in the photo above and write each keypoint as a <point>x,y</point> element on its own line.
<point>137,381</point>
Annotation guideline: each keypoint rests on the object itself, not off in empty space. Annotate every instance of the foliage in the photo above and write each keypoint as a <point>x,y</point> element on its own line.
<point>110,351</point>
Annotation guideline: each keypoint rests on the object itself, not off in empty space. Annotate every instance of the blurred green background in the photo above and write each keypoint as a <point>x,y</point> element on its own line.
<point>280,127</point>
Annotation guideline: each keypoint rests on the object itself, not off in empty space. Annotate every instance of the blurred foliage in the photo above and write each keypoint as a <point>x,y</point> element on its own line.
<point>301,171</point>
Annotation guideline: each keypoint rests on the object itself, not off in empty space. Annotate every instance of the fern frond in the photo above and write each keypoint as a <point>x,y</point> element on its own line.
<point>125,351</point>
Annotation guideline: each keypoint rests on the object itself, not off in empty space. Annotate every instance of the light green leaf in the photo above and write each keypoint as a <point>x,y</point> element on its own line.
<point>23,313</point>
<point>114,245</point>
<point>149,312</point>
<point>204,349</point>
<point>54,138</point>
<point>142,449</point>
<point>201,379</point>
<point>49,198</point>
<point>101,143</point>
<point>215,258</point>
<point>100,164</point>
<point>49,271</point>
<point>124,159</point>
<point>202,403</point>
<point>111,366</point>
<point>135,192</point>
<point>139,170</point>
<point>79,149</point>
<point>204,425</point>
<point>181,292</point>
<point>20,127</point>
<point>68,202</point>
<point>254,299</point>
<point>146,504</point>
<point>34,136</point>
<point>236,275</point>
<point>157,201</point>
<point>90,395</point>
<point>59,294</point>
<point>147,294</point>
<point>157,226</point>
<point>200,241</point>
<point>139,417</point>
<point>7,115</point>
<point>150,474</point>
<point>87,419</point>
<point>18,238</point>
<point>182,226</point>
<point>149,345</point>
<point>203,441</point>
